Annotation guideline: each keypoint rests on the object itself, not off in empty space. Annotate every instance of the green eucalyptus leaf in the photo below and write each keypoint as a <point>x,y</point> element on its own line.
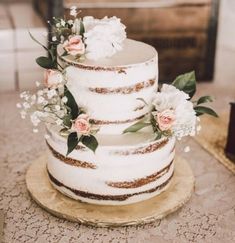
<point>82,28</point>
<point>200,110</point>
<point>34,39</point>
<point>141,99</point>
<point>67,120</point>
<point>186,82</point>
<point>136,127</point>
<point>72,142</point>
<point>158,135</point>
<point>45,62</point>
<point>71,103</point>
<point>204,99</point>
<point>65,54</point>
<point>90,142</point>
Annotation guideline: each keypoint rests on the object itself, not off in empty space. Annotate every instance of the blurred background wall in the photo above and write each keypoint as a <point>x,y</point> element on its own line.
<point>183,31</point>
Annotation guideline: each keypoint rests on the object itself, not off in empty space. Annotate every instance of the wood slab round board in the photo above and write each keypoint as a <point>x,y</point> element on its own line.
<point>178,193</point>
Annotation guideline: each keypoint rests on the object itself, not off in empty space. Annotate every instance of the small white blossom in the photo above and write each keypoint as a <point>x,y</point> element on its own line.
<point>46,136</point>
<point>57,107</point>
<point>23,114</point>
<point>64,99</point>
<point>33,97</point>
<point>59,122</point>
<point>34,118</point>
<point>23,94</point>
<point>37,84</point>
<point>62,22</point>
<point>57,25</point>
<point>35,130</point>
<point>40,100</point>
<point>187,149</point>
<point>18,105</point>
<point>54,38</point>
<point>51,93</point>
<point>40,92</point>
<point>26,105</point>
<point>199,127</point>
<point>73,11</point>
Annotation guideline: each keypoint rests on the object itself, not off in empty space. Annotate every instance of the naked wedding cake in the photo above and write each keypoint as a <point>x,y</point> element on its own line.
<point>111,132</point>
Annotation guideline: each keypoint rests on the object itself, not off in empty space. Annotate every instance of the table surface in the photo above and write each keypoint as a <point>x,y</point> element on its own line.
<point>209,216</point>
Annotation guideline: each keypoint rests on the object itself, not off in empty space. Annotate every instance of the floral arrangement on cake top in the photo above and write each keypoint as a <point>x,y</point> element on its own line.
<point>88,37</point>
<point>173,113</point>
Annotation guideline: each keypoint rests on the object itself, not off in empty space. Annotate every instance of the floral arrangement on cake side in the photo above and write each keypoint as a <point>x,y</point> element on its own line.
<point>173,113</point>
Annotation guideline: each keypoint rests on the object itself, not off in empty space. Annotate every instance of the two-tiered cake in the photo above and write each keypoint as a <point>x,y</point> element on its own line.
<point>125,168</point>
<point>110,129</point>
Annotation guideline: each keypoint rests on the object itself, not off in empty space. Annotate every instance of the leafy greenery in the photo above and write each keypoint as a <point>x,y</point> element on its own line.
<point>186,82</point>
<point>45,62</point>
<point>90,142</point>
<point>71,103</point>
<point>67,120</point>
<point>204,99</point>
<point>72,142</point>
<point>136,127</point>
<point>200,110</point>
<point>35,40</point>
<point>82,28</point>
<point>141,99</point>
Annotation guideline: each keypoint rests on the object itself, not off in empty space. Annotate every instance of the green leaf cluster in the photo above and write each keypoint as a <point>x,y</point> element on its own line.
<point>88,141</point>
<point>74,110</point>
<point>187,83</point>
<point>137,126</point>
<point>200,109</point>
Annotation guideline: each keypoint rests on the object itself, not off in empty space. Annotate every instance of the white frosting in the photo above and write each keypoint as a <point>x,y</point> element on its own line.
<point>111,166</point>
<point>139,63</point>
<point>118,158</point>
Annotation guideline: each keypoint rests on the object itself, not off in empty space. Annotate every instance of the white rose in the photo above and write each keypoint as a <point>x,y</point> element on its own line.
<point>103,37</point>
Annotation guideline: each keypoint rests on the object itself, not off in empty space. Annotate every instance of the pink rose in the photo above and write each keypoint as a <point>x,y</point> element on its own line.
<point>165,119</point>
<point>74,46</point>
<point>52,78</point>
<point>81,125</point>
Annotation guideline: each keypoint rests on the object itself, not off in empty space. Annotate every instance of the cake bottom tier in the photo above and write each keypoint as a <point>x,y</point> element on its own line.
<point>125,169</point>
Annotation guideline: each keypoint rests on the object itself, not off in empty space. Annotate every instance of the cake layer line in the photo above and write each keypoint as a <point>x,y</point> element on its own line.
<point>125,90</point>
<point>143,149</point>
<point>94,196</point>
<point>70,161</point>
<point>105,122</point>
<point>119,69</point>
<point>141,181</point>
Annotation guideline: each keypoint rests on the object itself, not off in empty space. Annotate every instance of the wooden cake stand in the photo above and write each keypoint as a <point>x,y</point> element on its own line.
<point>178,193</point>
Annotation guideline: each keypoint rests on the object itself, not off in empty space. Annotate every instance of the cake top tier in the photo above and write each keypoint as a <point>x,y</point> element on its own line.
<point>133,52</point>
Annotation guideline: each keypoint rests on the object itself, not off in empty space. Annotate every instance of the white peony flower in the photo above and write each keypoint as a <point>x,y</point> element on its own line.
<point>173,99</point>
<point>103,37</point>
